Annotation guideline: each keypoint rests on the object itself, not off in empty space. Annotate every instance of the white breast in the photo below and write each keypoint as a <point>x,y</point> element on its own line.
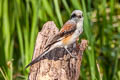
<point>79,30</point>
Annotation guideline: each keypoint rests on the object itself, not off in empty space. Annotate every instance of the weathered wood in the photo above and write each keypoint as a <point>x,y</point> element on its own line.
<point>58,64</point>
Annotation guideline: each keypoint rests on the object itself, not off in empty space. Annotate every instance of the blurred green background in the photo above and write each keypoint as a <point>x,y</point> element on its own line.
<point>21,20</point>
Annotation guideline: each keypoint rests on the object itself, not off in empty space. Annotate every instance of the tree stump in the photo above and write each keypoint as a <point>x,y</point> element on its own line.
<point>57,64</point>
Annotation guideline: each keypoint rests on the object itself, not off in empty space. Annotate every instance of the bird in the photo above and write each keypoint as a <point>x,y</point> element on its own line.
<point>68,35</point>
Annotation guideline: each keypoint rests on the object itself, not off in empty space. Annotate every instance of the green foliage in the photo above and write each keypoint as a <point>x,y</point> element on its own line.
<point>20,21</point>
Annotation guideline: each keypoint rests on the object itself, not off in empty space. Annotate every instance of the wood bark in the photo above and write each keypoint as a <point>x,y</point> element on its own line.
<point>57,64</point>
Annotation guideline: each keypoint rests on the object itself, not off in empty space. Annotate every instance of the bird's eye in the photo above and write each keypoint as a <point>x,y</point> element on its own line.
<point>72,16</point>
<point>80,16</point>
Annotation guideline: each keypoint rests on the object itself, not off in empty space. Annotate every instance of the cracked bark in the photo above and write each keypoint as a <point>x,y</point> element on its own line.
<point>57,64</point>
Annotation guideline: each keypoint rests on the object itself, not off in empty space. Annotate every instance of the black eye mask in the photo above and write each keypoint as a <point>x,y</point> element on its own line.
<point>74,15</point>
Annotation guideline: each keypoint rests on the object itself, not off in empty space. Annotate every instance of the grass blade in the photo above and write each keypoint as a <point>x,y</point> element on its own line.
<point>66,6</point>
<point>57,9</point>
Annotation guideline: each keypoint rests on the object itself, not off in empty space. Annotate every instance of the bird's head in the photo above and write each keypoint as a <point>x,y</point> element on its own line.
<point>77,15</point>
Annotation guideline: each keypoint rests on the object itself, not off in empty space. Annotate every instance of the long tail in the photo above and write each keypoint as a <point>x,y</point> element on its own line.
<point>38,58</point>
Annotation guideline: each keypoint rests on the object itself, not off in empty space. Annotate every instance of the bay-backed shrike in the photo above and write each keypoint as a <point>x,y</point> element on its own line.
<point>69,33</point>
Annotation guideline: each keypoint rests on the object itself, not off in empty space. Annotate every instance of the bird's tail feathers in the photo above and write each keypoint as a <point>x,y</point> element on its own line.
<point>38,58</point>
